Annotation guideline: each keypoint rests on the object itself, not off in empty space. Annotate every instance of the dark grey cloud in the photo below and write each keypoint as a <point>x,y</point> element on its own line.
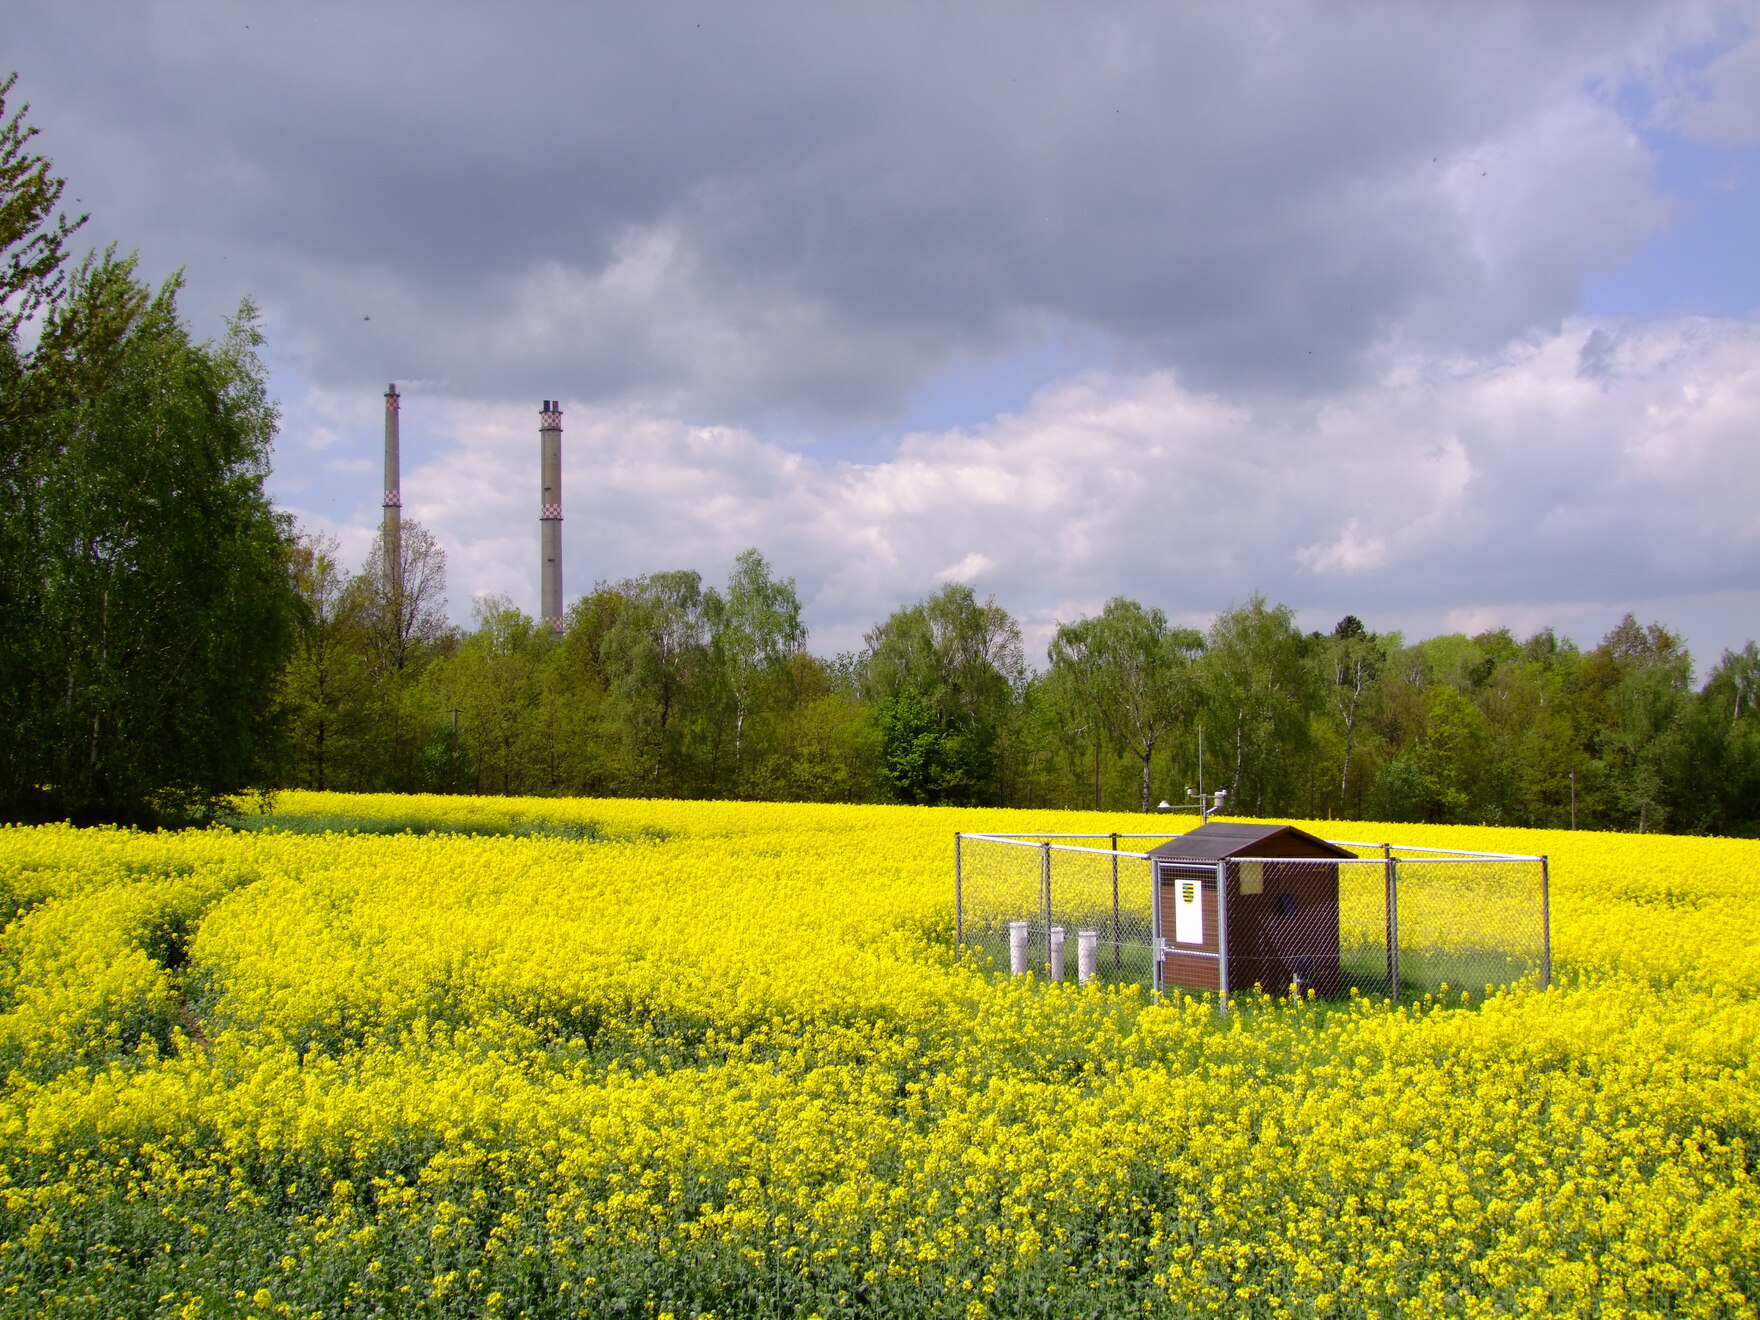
<point>804,209</point>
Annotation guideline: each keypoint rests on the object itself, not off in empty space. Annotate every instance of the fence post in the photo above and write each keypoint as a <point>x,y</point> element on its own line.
<point>1017,948</point>
<point>1221,929</point>
<point>1391,867</point>
<point>1054,938</point>
<point>959,898</point>
<point>1116,960</point>
<point>1154,930</point>
<point>1045,886</point>
<point>1545,925</point>
<point>1087,955</point>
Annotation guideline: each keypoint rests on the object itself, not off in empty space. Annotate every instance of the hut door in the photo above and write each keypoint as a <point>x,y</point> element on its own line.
<point>1183,905</point>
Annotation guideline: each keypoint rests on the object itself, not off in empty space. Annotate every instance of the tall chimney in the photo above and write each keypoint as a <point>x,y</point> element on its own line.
<point>550,511</point>
<point>392,529</point>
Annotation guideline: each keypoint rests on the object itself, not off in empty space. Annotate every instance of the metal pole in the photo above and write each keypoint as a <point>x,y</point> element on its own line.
<point>1154,929</point>
<point>1391,867</point>
<point>1573,799</point>
<point>1045,894</point>
<point>1545,925</point>
<point>454,713</point>
<point>1115,953</point>
<point>959,900</point>
<point>1221,929</point>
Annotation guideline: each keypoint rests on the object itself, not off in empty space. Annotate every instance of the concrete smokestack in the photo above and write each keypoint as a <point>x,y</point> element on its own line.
<point>550,511</point>
<point>392,528</point>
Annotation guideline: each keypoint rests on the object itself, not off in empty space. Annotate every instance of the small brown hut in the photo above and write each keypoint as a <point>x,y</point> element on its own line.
<point>1276,925</point>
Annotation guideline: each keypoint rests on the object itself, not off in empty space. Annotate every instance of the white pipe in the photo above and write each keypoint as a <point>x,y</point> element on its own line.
<point>1087,954</point>
<point>1057,953</point>
<point>1017,947</point>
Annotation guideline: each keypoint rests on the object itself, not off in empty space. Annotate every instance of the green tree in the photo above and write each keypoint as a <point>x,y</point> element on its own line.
<point>1450,756</point>
<point>1734,686</point>
<point>33,239</point>
<point>492,680</point>
<point>1260,694</point>
<point>162,614</point>
<point>943,677</point>
<point>1133,673</point>
<point>1714,773</point>
<point>403,613</point>
<point>1639,679</point>
<point>821,747</point>
<point>1352,659</point>
<point>754,629</point>
<point>655,655</point>
<point>327,687</point>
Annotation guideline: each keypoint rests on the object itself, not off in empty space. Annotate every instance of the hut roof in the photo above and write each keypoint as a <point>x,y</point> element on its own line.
<point>1221,840</point>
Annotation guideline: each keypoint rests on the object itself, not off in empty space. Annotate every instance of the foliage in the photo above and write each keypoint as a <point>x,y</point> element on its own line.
<point>162,617</point>
<point>1261,692</point>
<point>1131,674</point>
<point>461,1072</point>
<point>33,247</point>
<point>754,630</point>
<point>327,683</point>
<point>943,674</point>
<point>664,685</point>
<point>144,592</point>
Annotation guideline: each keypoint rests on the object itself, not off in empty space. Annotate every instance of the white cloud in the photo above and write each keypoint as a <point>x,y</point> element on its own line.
<point>1349,552</point>
<point>968,570</point>
<point>1544,491</point>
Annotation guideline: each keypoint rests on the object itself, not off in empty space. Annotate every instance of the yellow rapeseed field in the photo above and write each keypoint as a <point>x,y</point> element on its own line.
<point>681,1059</point>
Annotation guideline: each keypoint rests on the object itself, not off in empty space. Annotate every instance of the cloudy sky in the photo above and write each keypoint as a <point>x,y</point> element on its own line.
<point>1444,315</point>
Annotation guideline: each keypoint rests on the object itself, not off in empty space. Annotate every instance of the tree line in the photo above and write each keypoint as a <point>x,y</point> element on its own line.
<point>665,686</point>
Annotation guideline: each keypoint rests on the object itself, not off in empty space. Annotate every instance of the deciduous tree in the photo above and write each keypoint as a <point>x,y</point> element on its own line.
<point>1133,673</point>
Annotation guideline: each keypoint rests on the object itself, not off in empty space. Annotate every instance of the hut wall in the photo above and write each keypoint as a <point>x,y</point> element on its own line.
<point>1287,930</point>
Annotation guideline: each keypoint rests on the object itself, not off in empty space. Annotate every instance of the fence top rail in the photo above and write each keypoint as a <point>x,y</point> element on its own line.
<point>1467,854</point>
<point>1439,854</point>
<point>1037,841</point>
<point>1030,838</point>
<point>1104,852</point>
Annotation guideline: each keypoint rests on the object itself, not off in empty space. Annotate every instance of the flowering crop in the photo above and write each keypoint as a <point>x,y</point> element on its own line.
<point>651,1058</point>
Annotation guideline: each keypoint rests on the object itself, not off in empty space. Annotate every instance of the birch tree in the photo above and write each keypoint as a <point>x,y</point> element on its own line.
<point>1135,676</point>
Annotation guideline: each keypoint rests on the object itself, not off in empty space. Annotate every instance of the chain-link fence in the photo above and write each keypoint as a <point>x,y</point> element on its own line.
<point>1381,919</point>
<point>1051,902</point>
